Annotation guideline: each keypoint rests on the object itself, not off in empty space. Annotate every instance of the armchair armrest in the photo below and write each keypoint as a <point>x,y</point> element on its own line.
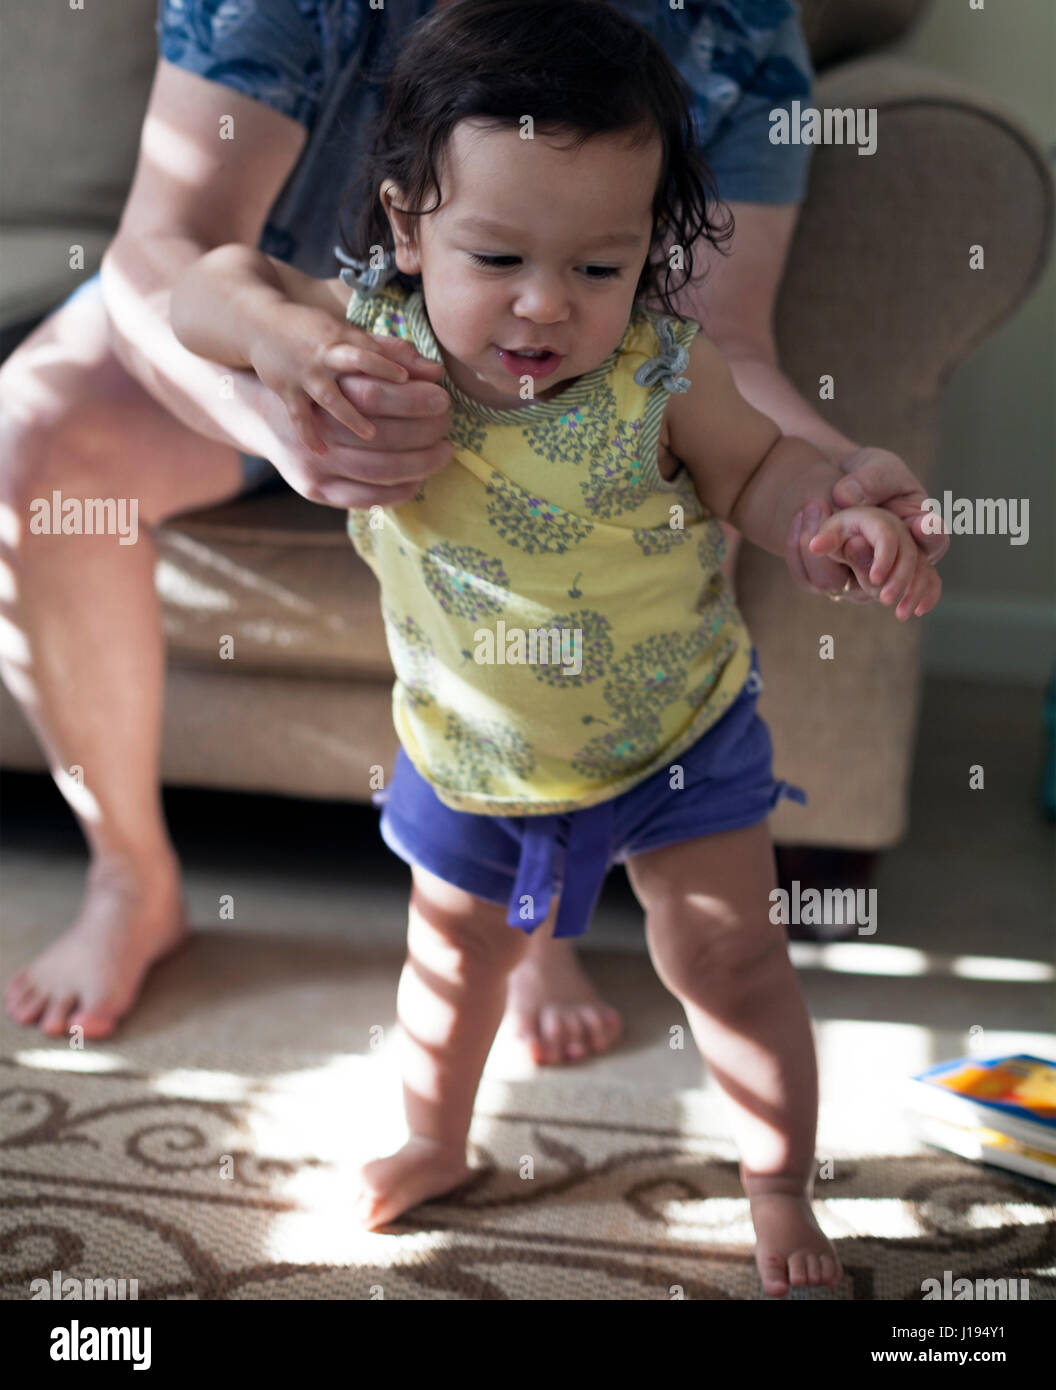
<point>879,285</point>
<point>879,292</point>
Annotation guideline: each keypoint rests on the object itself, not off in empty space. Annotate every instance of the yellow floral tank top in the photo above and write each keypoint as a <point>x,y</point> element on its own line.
<point>555,612</point>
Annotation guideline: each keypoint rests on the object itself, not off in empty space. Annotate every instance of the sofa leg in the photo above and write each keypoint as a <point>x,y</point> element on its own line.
<point>821,867</point>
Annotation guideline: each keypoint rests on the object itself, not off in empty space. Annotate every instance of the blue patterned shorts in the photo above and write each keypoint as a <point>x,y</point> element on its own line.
<point>728,784</point>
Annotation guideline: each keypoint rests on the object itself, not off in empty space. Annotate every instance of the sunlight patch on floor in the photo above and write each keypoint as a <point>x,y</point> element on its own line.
<point>874,958</point>
<point>71,1059</point>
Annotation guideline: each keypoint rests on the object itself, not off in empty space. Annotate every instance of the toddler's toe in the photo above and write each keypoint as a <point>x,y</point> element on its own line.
<point>773,1271</point>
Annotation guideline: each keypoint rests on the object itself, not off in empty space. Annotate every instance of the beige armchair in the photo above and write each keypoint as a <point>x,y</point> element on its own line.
<point>304,709</point>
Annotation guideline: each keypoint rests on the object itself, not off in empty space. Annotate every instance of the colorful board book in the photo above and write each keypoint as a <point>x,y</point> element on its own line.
<point>993,1109</point>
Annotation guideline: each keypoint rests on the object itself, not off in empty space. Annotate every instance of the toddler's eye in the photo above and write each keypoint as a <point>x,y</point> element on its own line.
<point>604,272</point>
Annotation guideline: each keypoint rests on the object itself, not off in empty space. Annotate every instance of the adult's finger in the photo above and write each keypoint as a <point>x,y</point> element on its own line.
<point>360,496</point>
<point>875,477</point>
<point>405,400</point>
<point>816,573</point>
<point>879,478</point>
<point>394,434</point>
<point>926,529</point>
<point>323,390</point>
<point>302,416</point>
<point>360,477</point>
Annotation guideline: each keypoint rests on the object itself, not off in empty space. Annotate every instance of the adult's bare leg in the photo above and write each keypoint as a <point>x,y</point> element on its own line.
<point>83,649</point>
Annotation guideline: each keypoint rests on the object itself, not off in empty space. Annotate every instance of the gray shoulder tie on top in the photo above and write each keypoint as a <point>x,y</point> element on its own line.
<point>363,276</point>
<point>665,368</point>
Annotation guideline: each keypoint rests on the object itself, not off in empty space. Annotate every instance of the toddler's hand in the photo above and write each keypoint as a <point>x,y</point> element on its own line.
<point>879,549</point>
<point>301,352</point>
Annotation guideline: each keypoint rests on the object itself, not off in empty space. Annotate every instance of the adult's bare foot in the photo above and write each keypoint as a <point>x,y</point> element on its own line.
<point>131,915</point>
<point>553,1010</point>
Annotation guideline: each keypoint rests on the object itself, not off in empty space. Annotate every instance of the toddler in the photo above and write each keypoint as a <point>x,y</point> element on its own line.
<point>575,685</point>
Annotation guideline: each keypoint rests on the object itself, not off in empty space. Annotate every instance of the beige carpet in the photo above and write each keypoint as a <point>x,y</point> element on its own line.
<point>206,1148</point>
<point>209,1184</point>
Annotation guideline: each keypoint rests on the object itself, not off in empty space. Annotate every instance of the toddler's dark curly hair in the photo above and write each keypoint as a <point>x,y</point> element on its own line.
<point>580,68</point>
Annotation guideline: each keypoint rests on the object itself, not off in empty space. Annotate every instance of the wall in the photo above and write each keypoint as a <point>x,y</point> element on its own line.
<point>997,619</point>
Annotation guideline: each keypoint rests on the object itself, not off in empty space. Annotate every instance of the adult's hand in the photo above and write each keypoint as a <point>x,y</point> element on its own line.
<point>411,418</point>
<point>879,478</point>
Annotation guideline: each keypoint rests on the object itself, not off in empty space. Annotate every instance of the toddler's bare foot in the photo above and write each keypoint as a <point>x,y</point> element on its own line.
<point>553,1010</point>
<point>131,915</point>
<point>423,1168</point>
<point>791,1249</point>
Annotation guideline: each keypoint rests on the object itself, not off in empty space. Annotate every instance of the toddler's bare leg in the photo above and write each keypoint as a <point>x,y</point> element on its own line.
<point>460,951</point>
<point>713,945</point>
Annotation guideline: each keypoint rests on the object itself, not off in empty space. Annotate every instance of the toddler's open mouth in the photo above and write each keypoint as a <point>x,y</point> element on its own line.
<point>539,363</point>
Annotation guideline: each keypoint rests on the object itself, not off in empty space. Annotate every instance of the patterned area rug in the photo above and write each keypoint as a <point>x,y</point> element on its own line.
<point>210,1185</point>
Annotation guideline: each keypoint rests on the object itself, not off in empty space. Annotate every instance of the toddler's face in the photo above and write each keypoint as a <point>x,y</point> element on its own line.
<point>552,279</point>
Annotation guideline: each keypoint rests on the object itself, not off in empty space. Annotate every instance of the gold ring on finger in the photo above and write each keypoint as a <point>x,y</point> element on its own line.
<point>837,598</point>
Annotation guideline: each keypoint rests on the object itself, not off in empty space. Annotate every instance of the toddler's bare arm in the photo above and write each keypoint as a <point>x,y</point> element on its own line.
<point>760,481</point>
<point>227,296</point>
<point>238,306</point>
<point>745,470</point>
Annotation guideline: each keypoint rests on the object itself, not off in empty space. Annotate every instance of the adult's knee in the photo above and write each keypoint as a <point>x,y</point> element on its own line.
<point>42,452</point>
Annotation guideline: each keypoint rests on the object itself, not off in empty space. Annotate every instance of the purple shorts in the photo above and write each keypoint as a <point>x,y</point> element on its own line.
<point>521,860</point>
